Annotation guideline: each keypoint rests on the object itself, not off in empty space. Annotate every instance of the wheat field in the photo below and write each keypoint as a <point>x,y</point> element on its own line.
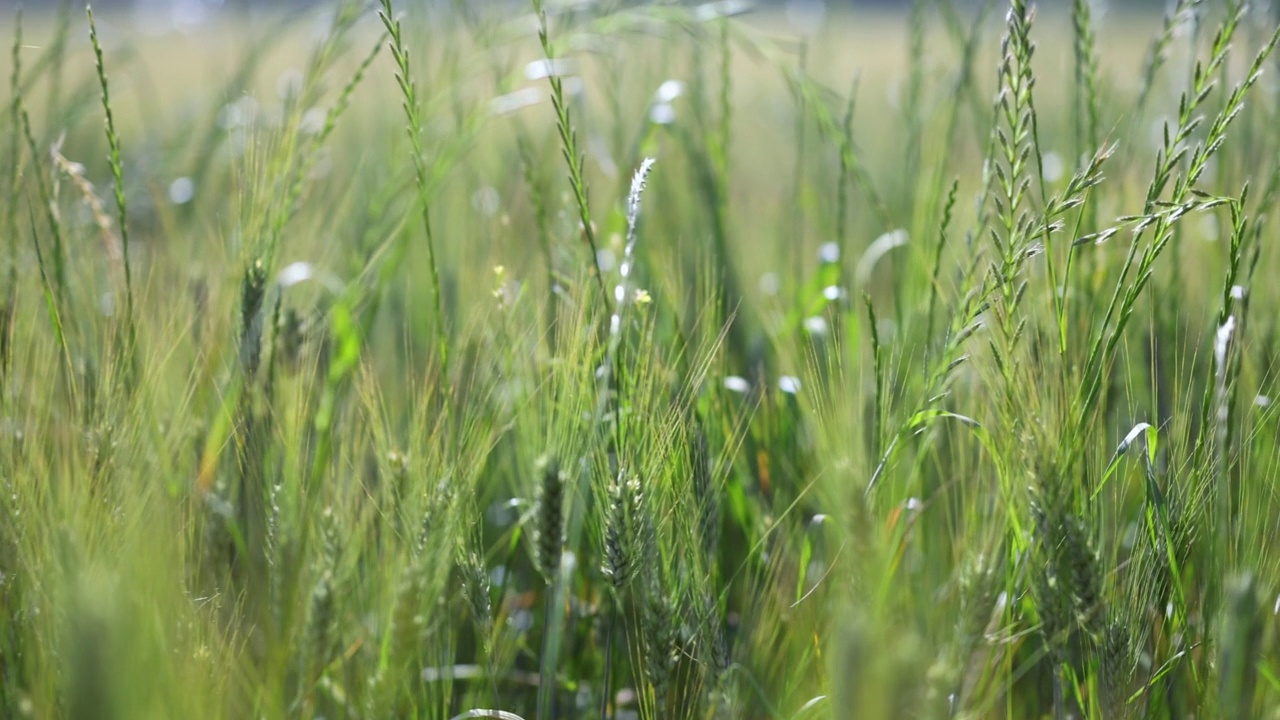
<point>640,360</point>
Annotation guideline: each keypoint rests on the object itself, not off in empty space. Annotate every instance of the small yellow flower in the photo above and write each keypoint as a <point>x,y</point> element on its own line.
<point>642,297</point>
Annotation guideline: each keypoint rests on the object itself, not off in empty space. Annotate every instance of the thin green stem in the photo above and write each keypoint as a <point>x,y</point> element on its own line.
<point>117,175</point>
<point>574,159</point>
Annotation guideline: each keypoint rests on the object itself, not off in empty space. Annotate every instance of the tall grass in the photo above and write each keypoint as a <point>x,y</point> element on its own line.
<point>117,176</point>
<point>958,404</point>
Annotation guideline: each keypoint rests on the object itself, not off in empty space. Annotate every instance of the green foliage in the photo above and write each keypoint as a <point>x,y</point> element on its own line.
<point>946,408</point>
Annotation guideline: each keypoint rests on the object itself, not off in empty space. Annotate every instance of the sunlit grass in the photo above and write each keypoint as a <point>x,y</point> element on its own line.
<point>635,360</point>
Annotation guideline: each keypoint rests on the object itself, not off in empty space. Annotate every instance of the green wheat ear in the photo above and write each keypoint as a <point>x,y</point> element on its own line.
<point>549,533</point>
<point>659,640</point>
<point>549,544</point>
<point>623,499</point>
<point>1239,649</point>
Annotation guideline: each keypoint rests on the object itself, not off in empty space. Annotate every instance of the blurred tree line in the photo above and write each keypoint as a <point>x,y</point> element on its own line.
<point>215,5</point>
